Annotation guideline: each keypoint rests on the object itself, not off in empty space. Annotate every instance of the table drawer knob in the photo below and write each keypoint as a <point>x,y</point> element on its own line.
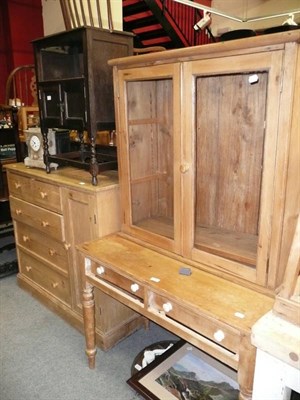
<point>45,224</point>
<point>219,335</point>
<point>167,307</point>
<point>100,270</point>
<point>52,252</point>
<point>54,285</point>
<point>25,238</point>
<point>17,185</point>
<point>134,287</point>
<point>28,268</point>
<point>18,211</point>
<point>67,246</point>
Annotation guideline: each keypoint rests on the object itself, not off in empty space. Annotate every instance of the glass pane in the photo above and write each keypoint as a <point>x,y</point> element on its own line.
<point>150,125</point>
<point>61,62</point>
<point>229,161</point>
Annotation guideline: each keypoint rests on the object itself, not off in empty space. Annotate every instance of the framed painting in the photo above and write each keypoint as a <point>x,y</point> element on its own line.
<point>185,372</point>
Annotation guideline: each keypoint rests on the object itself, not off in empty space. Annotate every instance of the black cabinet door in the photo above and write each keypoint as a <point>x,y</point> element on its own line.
<point>52,108</point>
<point>74,104</point>
<point>64,104</point>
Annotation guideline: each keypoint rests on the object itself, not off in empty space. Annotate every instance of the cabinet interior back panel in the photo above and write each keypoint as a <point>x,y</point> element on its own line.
<point>150,125</point>
<point>228,185</point>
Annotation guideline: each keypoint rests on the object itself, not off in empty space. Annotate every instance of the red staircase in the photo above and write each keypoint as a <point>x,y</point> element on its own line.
<point>163,23</point>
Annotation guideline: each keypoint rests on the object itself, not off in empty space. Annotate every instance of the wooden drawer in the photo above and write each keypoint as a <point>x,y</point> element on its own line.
<point>119,281</point>
<point>44,276</point>
<point>46,221</point>
<point>216,331</point>
<point>37,192</point>
<point>44,246</point>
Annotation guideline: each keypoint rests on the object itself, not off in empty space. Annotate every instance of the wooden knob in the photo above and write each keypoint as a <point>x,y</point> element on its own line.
<point>45,224</point>
<point>25,238</point>
<point>28,268</point>
<point>43,195</point>
<point>18,211</point>
<point>52,252</point>
<point>67,246</point>
<point>54,285</point>
<point>184,168</point>
<point>17,185</point>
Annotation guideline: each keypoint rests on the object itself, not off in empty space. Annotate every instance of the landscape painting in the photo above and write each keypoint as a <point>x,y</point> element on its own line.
<point>191,378</point>
<point>186,373</point>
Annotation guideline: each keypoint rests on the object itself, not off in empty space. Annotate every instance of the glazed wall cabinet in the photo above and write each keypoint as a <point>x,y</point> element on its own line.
<point>52,214</point>
<point>208,144</point>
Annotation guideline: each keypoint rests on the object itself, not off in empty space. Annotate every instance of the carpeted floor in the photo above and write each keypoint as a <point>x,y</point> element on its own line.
<point>43,358</point>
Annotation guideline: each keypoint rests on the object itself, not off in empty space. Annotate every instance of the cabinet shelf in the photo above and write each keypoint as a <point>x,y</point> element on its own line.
<point>160,225</point>
<point>236,246</point>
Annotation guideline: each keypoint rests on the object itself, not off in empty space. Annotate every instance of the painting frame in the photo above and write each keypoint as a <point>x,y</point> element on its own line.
<point>145,381</point>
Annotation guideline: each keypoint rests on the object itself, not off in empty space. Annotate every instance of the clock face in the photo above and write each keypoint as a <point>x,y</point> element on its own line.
<point>35,143</point>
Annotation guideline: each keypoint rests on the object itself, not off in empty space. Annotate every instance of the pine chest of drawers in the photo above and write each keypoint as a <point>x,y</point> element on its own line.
<point>52,213</point>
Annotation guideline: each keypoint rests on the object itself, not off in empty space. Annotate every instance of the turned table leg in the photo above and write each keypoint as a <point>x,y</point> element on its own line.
<point>247,356</point>
<point>88,304</point>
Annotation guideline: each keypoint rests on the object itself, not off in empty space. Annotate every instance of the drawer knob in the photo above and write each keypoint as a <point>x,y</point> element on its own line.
<point>25,238</point>
<point>134,287</point>
<point>28,268</point>
<point>167,307</point>
<point>100,270</point>
<point>67,246</point>
<point>18,211</point>
<point>184,168</point>
<point>54,285</point>
<point>52,252</point>
<point>43,195</point>
<point>45,224</point>
<point>17,185</point>
<point>219,335</point>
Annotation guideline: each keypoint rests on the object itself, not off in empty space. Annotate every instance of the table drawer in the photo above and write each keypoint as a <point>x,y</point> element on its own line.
<point>216,331</point>
<point>46,247</point>
<point>46,221</point>
<point>36,192</point>
<point>119,281</point>
<point>45,277</point>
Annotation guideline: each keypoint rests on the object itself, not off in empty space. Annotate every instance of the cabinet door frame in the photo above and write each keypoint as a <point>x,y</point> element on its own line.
<point>50,120</point>
<point>121,78</point>
<point>245,63</point>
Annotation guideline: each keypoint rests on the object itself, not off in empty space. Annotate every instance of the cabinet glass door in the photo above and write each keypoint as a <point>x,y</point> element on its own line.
<point>150,203</point>
<point>61,57</point>
<point>228,188</point>
<point>234,151</point>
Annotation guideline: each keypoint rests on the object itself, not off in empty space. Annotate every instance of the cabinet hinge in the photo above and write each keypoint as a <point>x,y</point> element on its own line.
<point>95,219</point>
